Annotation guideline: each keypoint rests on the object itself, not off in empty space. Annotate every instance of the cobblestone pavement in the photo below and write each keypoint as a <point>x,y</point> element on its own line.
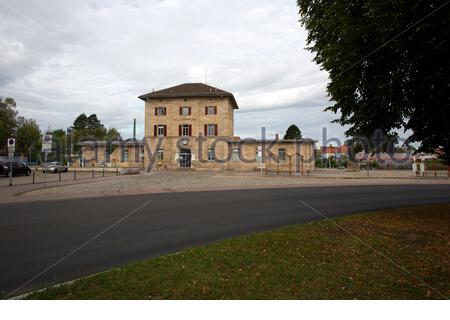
<point>180,181</point>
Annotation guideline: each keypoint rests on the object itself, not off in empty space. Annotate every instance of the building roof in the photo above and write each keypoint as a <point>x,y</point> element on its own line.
<point>333,149</point>
<point>189,90</point>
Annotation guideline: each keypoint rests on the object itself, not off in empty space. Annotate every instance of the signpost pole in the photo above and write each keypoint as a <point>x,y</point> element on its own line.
<point>11,143</point>
<point>46,148</point>
<point>45,170</point>
<point>10,170</point>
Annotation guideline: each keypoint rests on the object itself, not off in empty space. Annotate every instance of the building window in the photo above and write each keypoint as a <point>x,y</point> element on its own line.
<point>185,111</point>
<point>211,154</point>
<point>160,155</point>
<point>235,156</point>
<point>211,110</point>
<point>211,130</point>
<point>161,131</point>
<point>185,130</point>
<point>282,154</point>
<point>125,155</point>
<point>160,111</point>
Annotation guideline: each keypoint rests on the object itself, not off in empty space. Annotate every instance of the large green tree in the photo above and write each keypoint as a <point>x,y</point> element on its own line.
<point>28,138</point>
<point>8,120</point>
<point>293,132</point>
<point>87,127</point>
<point>388,65</point>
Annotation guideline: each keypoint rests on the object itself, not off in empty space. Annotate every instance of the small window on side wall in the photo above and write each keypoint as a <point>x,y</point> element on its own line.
<point>282,154</point>
<point>160,155</point>
<point>125,155</point>
<point>211,154</point>
<point>235,156</point>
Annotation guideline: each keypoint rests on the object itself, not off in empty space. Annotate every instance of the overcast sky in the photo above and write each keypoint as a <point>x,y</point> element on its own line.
<point>61,58</point>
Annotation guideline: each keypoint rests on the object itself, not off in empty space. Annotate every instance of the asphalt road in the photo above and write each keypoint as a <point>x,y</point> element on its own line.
<point>44,243</point>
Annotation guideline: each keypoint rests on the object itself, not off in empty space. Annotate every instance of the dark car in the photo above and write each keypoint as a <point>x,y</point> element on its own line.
<point>17,168</point>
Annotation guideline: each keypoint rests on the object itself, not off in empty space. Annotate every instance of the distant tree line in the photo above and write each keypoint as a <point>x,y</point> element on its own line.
<point>29,136</point>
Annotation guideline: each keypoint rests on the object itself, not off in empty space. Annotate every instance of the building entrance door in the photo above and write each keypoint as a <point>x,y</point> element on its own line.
<point>185,158</point>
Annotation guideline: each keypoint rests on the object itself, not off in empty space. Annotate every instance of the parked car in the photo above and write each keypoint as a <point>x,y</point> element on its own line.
<point>54,167</point>
<point>17,168</point>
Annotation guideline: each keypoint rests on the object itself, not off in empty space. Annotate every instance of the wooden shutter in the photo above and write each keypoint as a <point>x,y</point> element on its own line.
<point>156,111</point>
<point>189,110</point>
<point>216,132</point>
<point>179,130</point>
<point>206,130</point>
<point>155,130</point>
<point>165,111</point>
<point>165,130</point>
<point>181,111</point>
<point>215,110</point>
<point>206,110</point>
<point>190,130</point>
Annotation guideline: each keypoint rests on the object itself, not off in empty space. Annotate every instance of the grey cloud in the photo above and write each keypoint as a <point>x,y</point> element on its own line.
<point>61,58</point>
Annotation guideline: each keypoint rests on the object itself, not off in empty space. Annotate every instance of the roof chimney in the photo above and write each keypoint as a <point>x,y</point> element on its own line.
<point>134,129</point>
<point>277,137</point>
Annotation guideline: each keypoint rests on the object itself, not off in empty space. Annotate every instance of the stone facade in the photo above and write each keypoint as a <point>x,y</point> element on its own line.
<point>195,130</point>
<point>124,154</point>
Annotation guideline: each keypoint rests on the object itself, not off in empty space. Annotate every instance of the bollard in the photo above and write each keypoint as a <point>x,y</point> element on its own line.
<point>59,176</point>
<point>92,173</point>
<point>117,171</point>
<point>103,172</point>
<point>74,174</point>
<point>34,173</point>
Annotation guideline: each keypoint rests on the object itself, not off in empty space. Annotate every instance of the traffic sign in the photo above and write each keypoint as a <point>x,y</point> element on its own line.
<point>11,145</point>
<point>47,143</point>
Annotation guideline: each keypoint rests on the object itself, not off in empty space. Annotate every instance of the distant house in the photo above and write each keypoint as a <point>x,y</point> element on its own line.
<point>332,151</point>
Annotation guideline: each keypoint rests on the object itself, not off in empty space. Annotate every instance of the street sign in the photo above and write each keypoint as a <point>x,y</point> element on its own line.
<point>47,143</point>
<point>11,145</point>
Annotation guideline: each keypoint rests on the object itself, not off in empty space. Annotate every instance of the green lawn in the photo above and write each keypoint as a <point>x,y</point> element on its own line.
<point>309,261</point>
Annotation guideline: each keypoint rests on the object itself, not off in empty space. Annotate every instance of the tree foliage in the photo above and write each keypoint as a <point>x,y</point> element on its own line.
<point>388,65</point>
<point>293,132</point>
<point>113,134</point>
<point>28,137</point>
<point>8,120</point>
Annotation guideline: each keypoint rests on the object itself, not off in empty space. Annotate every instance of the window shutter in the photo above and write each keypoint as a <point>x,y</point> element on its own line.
<point>165,130</point>
<point>189,110</point>
<point>165,111</point>
<point>179,130</point>
<point>190,130</point>
<point>181,111</point>
<point>156,111</point>
<point>215,110</point>
<point>206,130</point>
<point>215,130</point>
<point>206,110</point>
<point>155,130</point>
